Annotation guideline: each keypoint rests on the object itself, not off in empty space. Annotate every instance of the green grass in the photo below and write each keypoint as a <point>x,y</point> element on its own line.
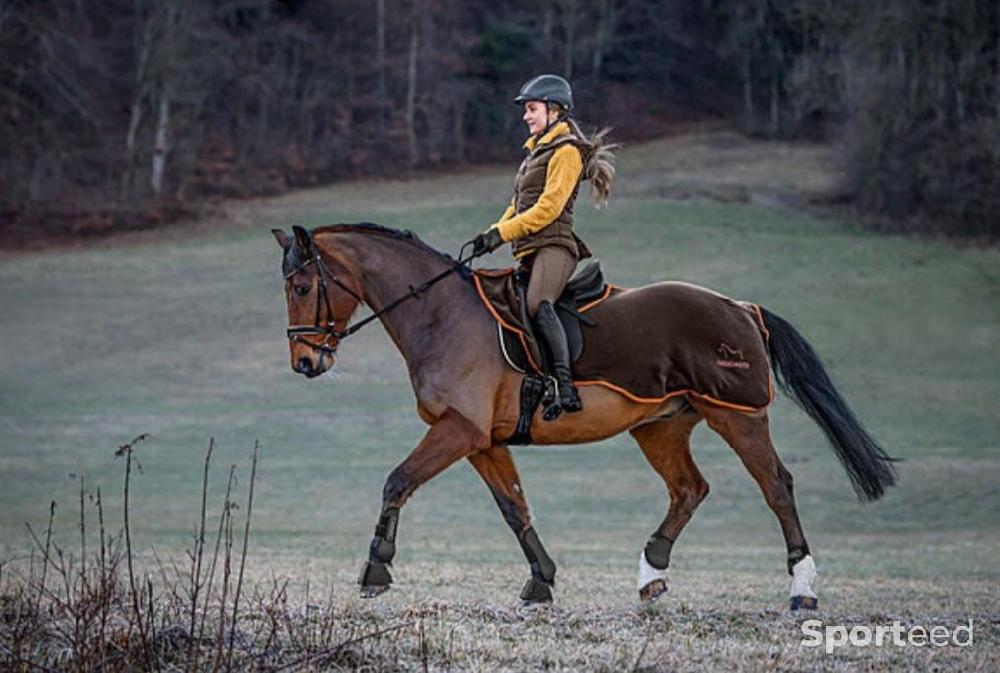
<point>181,336</point>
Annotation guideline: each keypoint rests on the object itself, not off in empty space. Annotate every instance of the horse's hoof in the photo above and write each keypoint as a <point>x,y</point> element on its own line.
<point>374,590</point>
<point>374,580</point>
<point>804,603</point>
<point>530,606</point>
<point>536,593</point>
<point>652,591</point>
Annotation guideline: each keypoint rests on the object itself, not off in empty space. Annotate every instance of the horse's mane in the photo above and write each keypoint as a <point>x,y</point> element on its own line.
<point>389,232</point>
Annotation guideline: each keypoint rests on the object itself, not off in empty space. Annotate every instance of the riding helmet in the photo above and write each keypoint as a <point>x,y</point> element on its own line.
<point>548,89</point>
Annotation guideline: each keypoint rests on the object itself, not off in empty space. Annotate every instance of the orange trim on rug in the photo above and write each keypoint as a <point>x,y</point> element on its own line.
<point>760,319</point>
<point>607,293</point>
<point>674,393</point>
<point>767,341</point>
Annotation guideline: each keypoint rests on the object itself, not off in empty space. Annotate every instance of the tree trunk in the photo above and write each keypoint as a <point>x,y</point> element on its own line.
<point>605,26</point>
<point>350,93</point>
<point>138,108</point>
<point>458,130</point>
<point>959,86</point>
<point>134,123</point>
<point>569,22</point>
<point>380,65</point>
<point>160,147</point>
<point>161,140</point>
<point>548,18</point>
<point>776,91</point>
<point>747,88</point>
<point>411,85</point>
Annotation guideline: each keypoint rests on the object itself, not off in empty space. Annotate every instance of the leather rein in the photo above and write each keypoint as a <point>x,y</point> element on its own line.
<point>328,330</point>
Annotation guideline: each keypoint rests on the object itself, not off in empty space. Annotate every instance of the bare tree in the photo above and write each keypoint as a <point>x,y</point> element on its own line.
<point>548,19</point>
<point>168,14</point>
<point>380,64</point>
<point>569,26</point>
<point>140,91</point>
<point>411,83</point>
<point>604,35</point>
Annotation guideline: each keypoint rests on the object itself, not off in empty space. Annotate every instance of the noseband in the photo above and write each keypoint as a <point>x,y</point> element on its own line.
<point>328,330</point>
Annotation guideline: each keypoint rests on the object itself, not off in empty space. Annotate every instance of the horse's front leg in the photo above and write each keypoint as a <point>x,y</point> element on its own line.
<point>451,437</point>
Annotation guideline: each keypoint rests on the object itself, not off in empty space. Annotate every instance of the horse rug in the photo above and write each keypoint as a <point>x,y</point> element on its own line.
<point>649,343</point>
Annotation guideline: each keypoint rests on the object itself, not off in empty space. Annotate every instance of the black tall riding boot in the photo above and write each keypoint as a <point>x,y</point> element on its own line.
<point>549,328</point>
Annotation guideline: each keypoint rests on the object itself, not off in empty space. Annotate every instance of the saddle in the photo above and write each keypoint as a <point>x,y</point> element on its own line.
<point>504,290</point>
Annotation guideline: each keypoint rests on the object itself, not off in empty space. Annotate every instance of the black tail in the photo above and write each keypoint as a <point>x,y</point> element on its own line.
<point>800,375</point>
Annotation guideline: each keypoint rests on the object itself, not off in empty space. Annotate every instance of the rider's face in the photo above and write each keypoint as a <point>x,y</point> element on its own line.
<point>537,115</point>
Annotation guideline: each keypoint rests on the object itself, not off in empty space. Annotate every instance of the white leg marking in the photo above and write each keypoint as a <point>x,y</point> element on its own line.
<point>648,573</point>
<point>803,576</point>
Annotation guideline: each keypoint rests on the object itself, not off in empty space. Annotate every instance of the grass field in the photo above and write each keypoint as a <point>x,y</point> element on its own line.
<point>180,334</point>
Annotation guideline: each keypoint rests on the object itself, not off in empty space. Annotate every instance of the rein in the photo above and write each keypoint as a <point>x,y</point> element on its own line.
<point>328,330</point>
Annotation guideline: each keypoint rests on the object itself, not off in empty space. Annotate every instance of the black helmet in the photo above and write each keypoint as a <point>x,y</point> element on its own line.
<point>548,89</point>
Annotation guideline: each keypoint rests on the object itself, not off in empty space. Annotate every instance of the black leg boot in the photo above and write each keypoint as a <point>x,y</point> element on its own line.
<point>549,328</point>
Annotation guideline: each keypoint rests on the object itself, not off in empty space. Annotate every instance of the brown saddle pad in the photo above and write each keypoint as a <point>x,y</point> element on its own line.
<point>658,341</point>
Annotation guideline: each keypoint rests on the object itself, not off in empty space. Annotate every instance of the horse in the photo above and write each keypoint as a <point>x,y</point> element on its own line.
<point>469,397</point>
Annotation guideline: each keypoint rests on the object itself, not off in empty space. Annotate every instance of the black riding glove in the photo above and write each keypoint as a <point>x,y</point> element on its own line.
<point>488,241</point>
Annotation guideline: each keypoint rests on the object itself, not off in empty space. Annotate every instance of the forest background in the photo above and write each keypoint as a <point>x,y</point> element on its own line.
<point>126,114</point>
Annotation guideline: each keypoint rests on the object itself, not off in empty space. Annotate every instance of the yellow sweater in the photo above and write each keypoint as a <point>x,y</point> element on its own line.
<point>561,177</point>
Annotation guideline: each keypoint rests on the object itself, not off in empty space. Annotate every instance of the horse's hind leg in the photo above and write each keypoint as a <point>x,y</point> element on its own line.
<point>750,437</point>
<point>496,466</point>
<point>666,446</point>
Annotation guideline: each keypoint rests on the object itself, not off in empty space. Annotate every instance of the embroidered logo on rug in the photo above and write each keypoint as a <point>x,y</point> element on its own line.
<point>731,358</point>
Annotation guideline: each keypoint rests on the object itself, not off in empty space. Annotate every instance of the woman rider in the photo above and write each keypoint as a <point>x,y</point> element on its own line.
<point>539,220</point>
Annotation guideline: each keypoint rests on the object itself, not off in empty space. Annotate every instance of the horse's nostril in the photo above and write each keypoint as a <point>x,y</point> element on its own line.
<point>304,366</point>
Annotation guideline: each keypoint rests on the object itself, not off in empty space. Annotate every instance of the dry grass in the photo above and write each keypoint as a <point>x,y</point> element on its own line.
<point>113,609</point>
<point>454,617</point>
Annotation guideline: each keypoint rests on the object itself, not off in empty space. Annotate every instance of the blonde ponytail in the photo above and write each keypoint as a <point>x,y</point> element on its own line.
<point>598,161</point>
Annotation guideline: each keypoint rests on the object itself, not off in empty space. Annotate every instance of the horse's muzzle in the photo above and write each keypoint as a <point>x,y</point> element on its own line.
<point>305,366</point>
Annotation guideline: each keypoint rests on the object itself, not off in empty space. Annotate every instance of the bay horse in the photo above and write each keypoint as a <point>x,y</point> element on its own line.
<point>469,397</point>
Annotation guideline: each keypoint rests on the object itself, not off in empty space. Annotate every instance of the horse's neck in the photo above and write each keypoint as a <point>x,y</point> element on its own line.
<point>420,327</point>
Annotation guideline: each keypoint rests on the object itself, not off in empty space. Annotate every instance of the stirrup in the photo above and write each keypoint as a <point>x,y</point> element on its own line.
<point>551,404</point>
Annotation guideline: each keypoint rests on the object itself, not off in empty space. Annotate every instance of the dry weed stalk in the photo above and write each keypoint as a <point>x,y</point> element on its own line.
<point>102,614</point>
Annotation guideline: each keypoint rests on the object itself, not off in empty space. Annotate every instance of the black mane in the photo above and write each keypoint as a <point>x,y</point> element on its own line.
<point>388,232</point>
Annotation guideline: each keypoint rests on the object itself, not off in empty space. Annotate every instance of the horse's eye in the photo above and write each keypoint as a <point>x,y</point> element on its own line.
<point>302,290</point>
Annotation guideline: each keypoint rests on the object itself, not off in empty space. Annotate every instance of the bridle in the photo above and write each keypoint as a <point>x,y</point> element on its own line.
<point>328,329</point>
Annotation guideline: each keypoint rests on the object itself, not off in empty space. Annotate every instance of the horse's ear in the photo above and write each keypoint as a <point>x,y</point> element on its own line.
<point>283,239</point>
<point>302,237</point>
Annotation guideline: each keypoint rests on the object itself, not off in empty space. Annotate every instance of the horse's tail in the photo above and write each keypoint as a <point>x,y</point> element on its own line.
<point>800,375</point>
